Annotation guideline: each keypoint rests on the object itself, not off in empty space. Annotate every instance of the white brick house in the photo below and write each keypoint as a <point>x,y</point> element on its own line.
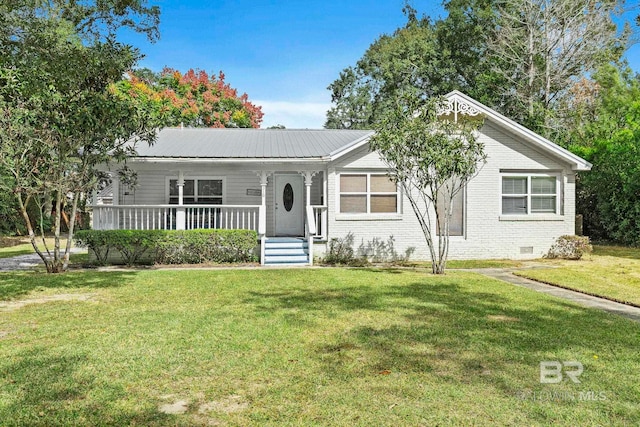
<point>289,185</point>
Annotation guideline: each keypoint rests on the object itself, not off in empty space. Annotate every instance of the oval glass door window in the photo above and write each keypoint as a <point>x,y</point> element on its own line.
<point>287,197</point>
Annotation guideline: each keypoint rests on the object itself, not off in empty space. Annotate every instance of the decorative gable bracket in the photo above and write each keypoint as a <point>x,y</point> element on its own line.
<point>455,105</point>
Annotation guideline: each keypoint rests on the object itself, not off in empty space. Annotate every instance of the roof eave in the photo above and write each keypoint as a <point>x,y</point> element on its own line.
<point>149,159</point>
<point>577,163</point>
<point>354,145</point>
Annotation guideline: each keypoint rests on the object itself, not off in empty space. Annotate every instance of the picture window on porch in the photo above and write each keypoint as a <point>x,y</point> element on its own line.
<point>204,191</point>
<point>367,193</point>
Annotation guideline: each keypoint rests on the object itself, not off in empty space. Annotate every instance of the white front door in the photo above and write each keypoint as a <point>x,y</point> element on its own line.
<point>289,205</point>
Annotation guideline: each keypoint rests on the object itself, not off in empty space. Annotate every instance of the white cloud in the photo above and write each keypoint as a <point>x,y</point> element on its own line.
<point>293,115</point>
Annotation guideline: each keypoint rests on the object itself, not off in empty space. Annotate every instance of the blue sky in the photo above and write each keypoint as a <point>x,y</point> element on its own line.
<point>283,54</point>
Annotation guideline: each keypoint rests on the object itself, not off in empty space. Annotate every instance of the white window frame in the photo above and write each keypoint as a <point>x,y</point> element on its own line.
<point>195,180</point>
<point>528,176</point>
<point>368,194</point>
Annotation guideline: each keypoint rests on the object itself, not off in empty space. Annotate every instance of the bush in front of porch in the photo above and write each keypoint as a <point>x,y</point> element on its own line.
<point>134,247</point>
<point>201,246</point>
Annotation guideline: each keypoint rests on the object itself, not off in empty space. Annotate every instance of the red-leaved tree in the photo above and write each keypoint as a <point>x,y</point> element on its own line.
<point>193,99</point>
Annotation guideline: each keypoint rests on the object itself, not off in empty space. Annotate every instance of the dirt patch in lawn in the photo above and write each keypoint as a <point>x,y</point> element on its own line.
<point>18,304</point>
<point>502,318</point>
<point>177,408</point>
<point>229,404</point>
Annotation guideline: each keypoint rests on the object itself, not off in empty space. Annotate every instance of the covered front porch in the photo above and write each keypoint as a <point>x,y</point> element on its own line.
<point>286,207</point>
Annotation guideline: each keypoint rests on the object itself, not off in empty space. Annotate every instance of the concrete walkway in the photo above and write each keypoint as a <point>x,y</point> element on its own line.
<point>585,300</point>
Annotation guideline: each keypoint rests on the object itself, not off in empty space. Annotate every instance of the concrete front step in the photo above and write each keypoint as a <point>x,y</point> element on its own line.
<point>286,239</point>
<point>286,259</point>
<point>292,246</point>
<point>286,250</point>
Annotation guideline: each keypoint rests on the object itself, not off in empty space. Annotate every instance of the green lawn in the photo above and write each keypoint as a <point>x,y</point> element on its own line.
<point>611,271</point>
<point>305,347</point>
<point>10,250</point>
<point>14,246</point>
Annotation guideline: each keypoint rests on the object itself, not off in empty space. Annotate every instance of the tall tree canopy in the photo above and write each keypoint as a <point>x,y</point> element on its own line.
<point>58,118</point>
<point>541,47</point>
<point>424,58</point>
<point>517,56</point>
<point>606,132</point>
<point>192,99</point>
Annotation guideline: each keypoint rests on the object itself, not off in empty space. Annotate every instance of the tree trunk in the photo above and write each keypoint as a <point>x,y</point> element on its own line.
<point>532,68</point>
<point>32,235</point>
<point>56,263</point>
<point>72,222</point>
<point>547,70</point>
<point>47,204</point>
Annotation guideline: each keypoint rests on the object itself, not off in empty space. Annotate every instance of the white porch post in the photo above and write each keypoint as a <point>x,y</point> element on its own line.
<point>310,231</point>
<point>94,202</point>
<point>324,214</point>
<point>262,212</point>
<point>180,212</point>
<point>115,186</point>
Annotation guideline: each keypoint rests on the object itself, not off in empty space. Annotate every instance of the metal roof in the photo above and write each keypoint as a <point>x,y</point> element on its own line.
<point>250,143</point>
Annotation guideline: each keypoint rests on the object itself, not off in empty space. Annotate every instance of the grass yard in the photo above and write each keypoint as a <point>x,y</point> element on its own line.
<point>463,264</point>
<point>611,271</point>
<point>304,347</point>
<point>14,246</point>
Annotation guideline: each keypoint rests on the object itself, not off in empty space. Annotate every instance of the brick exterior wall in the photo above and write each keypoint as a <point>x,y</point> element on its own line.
<point>488,234</point>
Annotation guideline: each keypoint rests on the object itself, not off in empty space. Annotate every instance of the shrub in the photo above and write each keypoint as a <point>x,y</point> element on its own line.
<point>170,246</point>
<point>378,250</point>
<point>341,252</point>
<point>96,241</point>
<point>131,244</point>
<point>198,246</point>
<point>570,247</point>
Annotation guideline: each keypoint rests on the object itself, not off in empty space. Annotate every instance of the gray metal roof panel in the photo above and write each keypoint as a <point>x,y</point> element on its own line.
<point>250,143</point>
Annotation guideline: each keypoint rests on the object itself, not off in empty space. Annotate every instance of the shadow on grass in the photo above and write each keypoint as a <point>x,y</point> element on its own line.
<point>38,380</point>
<point>16,284</point>
<point>363,297</point>
<point>460,330</point>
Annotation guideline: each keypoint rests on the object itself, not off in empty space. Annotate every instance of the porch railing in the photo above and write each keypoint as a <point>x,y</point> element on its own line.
<point>170,217</point>
<point>320,215</point>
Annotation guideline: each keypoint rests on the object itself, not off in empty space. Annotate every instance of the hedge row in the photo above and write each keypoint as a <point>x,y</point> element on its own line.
<point>170,246</point>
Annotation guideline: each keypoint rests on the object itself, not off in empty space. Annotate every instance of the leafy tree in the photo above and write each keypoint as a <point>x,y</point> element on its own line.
<point>541,47</point>
<point>193,99</point>
<point>607,133</point>
<point>423,57</point>
<point>431,157</point>
<point>58,120</point>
